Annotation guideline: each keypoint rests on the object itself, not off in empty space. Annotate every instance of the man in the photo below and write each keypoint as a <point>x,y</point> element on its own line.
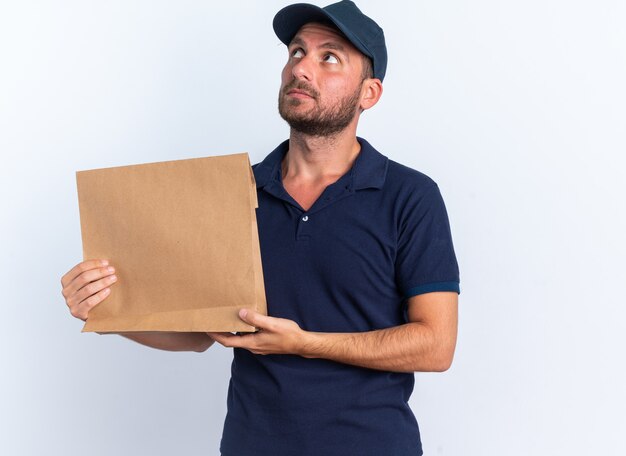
<point>360,273</point>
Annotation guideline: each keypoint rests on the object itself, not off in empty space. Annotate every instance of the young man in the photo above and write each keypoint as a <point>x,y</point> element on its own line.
<point>360,272</point>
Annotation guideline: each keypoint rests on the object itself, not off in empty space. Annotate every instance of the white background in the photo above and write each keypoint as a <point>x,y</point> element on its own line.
<point>516,109</point>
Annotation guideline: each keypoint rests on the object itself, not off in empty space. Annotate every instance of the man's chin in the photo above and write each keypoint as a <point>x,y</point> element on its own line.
<point>296,116</point>
<point>311,128</point>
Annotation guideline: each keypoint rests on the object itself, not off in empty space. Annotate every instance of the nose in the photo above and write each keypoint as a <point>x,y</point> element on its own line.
<point>302,69</point>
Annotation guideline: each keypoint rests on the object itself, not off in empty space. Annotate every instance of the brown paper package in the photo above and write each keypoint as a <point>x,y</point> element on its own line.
<point>182,236</point>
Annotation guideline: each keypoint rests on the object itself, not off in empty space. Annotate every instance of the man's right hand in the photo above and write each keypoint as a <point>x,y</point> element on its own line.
<point>86,285</point>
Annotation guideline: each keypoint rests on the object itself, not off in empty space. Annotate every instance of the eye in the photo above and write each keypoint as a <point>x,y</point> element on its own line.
<point>297,53</point>
<point>330,58</point>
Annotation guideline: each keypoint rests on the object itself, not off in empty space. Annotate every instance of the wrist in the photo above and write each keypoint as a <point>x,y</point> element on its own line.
<point>311,344</point>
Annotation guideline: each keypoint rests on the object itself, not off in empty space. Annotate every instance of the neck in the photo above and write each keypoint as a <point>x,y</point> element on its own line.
<point>318,158</point>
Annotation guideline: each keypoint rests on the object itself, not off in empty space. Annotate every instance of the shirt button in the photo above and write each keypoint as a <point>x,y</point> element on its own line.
<point>305,218</point>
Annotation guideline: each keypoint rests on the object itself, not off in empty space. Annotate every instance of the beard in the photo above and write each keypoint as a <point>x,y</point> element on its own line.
<point>317,121</point>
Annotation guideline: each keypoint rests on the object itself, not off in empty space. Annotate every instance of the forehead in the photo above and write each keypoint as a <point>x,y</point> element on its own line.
<point>314,31</point>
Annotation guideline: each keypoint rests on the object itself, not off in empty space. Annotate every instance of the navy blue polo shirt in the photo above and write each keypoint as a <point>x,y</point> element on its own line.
<point>374,238</point>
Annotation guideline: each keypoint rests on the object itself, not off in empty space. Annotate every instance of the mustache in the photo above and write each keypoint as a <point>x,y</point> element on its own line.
<point>303,86</point>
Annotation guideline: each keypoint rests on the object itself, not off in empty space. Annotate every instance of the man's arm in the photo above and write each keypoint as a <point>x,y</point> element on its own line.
<point>171,341</point>
<point>426,343</point>
<point>88,284</point>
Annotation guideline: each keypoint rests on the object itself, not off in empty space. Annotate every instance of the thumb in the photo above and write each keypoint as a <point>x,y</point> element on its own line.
<point>253,318</point>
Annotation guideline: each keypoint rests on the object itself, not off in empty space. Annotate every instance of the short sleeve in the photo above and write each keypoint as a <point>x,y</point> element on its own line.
<point>425,260</point>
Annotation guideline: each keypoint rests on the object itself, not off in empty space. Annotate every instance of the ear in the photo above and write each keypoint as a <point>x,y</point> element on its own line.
<point>371,92</point>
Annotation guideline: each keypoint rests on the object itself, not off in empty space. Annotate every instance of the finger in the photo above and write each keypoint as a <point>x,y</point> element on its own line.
<point>232,340</point>
<point>256,319</point>
<point>80,268</point>
<point>220,337</point>
<point>91,289</point>
<point>82,310</point>
<point>86,278</point>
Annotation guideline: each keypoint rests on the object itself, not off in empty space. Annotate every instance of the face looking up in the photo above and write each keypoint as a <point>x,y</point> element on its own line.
<point>322,86</point>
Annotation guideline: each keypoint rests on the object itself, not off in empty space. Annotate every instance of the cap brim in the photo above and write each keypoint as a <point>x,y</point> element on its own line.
<point>291,18</point>
<point>288,20</point>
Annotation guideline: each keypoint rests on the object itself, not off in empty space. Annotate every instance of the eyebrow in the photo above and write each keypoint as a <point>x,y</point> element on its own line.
<point>328,45</point>
<point>335,46</point>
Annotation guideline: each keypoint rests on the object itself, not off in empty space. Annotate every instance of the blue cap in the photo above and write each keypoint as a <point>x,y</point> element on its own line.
<point>360,30</point>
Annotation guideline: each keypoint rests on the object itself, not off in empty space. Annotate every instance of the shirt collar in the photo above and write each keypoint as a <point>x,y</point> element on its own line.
<point>369,169</point>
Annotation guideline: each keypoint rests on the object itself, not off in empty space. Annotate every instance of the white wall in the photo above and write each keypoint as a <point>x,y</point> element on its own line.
<point>517,109</point>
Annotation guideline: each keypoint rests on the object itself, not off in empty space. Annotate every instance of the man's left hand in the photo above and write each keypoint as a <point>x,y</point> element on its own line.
<point>274,336</point>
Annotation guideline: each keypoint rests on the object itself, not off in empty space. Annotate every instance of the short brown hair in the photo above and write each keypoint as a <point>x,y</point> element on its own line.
<point>368,68</point>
